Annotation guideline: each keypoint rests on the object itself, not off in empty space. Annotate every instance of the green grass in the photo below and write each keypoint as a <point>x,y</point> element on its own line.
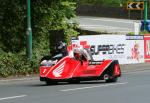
<point>115,3</point>
<point>140,33</point>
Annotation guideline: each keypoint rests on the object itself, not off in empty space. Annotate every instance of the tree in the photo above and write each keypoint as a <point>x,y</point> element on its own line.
<point>46,15</point>
<point>12,25</point>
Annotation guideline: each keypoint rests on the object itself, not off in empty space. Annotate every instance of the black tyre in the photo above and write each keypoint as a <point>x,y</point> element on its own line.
<point>74,82</point>
<point>110,80</point>
<point>51,82</point>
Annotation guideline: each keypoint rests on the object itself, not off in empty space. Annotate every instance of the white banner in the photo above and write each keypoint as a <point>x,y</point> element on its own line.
<point>106,46</point>
<point>135,49</point>
<point>126,49</point>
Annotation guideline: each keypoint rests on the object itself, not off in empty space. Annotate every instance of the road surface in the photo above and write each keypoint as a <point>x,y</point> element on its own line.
<point>132,87</point>
<point>109,25</point>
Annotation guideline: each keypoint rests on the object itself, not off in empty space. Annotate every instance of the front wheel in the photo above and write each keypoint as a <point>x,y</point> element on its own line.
<point>74,82</point>
<point>51,82</point>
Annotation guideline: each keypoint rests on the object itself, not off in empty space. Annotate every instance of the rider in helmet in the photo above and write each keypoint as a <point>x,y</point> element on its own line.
<point>61,47</point>
<point>81,53</point>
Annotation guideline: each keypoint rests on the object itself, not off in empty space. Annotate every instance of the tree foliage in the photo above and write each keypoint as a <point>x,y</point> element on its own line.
<point>108,3</point>
<point>47,16</point>
<point>12,25</point>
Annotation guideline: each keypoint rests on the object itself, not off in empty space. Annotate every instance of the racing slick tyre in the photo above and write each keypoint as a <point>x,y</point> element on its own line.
<point>51,82</point>
<point>73,81</point>
<point>113,73</point>
<point>110,80</point>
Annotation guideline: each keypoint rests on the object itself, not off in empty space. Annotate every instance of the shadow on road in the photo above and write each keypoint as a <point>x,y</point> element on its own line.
<point>42,84</point>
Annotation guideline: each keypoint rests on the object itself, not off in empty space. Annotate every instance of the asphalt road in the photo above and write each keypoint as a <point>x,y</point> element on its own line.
<point>110,25</point>
<point>132,87</point>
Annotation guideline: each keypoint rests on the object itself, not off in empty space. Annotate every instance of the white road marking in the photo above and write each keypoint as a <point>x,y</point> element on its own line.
<point>100,26</point>
<point>111,20</point>
<point>13,97</point>
<point>126,22</point>
<point>89,25</point>
<point>65,90</point>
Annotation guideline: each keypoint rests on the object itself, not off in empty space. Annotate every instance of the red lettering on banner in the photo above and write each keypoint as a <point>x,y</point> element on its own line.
<point>147,48</point>
<point>84,44</point>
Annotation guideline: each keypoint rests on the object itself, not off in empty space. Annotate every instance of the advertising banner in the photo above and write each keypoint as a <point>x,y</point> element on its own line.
<point>134,49</point>
<point>106,46</point>
<point>127,49</point>
<point>147,48</point>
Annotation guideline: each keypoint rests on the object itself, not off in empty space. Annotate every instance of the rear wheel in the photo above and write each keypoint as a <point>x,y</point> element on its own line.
<point>113,73</point>
<point>109,78</point>
<point>114,79</point>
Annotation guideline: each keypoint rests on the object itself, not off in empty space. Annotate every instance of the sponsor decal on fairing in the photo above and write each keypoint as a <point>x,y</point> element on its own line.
<point>58,71</point>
